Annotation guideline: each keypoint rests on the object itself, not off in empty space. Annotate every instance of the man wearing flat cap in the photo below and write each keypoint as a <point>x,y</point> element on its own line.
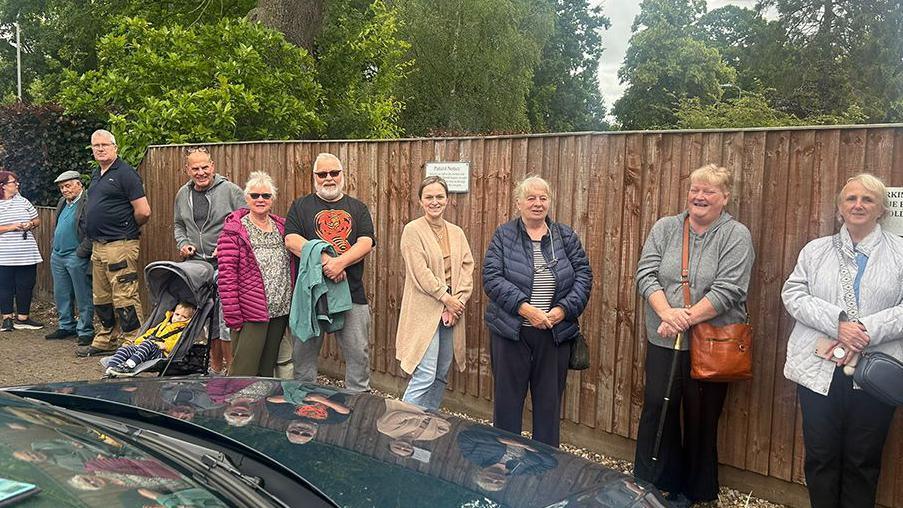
<point>70,263</point>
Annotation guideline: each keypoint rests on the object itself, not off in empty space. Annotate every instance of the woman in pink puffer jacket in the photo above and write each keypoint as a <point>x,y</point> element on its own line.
<point>255,302</point>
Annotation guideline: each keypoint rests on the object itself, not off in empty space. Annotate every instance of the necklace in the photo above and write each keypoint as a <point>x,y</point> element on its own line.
<point>263,227</point>
<point>438,230</point>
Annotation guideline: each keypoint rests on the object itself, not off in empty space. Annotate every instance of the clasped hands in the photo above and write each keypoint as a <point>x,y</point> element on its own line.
<point>25,226</point>
<point>540,319</point>
<point>853,336</point>
<point>674,321</point>
<point>333,267</point>
<point>453,311</point>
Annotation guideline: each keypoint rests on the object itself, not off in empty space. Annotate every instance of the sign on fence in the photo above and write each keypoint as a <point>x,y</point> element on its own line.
<point>455,174</point>
<point>894,221</point>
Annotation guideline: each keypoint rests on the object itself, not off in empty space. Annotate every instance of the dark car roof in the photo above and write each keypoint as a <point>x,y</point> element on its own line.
<point>364,450</point>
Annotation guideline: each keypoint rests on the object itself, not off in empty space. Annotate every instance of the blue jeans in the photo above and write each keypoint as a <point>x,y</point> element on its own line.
<point>72,279</point>
<point>427,385</point>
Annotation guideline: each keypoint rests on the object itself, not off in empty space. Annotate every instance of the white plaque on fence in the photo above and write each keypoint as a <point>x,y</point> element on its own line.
<point>894,221</point>
<point>455,174</point>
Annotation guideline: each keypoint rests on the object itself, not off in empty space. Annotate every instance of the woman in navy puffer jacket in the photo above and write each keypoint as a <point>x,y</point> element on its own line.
<point>538,280</point>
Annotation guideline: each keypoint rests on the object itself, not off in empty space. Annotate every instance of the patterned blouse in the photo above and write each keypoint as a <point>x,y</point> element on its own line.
<point>273,260</point>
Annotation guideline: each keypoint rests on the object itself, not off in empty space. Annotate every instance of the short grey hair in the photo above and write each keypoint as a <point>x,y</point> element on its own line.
<point>106,133</point>
<point>259,178</point>
<point>529,183</point>
<point>872,184</point>
<point>324,156</point>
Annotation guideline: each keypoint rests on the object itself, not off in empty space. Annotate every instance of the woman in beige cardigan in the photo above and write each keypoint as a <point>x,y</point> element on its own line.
<point>438,283</point>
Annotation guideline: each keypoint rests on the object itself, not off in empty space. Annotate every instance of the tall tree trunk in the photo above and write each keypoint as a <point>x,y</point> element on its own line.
<point>300,20</point>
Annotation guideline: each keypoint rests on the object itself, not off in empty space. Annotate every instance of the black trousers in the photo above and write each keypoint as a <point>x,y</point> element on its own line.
<point>844,434</point>
<point>17,282</point>
<point>533,362</point>
<point>688,460</point>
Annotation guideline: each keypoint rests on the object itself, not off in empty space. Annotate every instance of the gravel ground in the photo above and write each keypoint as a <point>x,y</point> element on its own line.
<point>28,358</point>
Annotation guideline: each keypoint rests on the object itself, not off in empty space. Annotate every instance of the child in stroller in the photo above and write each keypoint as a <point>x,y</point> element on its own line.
<point>157,342</point>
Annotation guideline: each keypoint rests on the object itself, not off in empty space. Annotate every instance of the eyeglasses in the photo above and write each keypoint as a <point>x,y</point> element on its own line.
<point>258,195</point>
<point>323,174</point>
<point>11,182</point>
<point>190,150</point>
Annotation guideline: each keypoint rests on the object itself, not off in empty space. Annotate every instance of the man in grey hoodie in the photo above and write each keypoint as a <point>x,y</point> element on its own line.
<point>201,207</point>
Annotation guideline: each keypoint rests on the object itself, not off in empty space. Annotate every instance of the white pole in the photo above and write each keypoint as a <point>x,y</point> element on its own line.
<point>18,61</point>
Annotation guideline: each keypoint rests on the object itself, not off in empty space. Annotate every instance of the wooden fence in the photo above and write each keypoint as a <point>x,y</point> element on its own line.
<point>611,187</point>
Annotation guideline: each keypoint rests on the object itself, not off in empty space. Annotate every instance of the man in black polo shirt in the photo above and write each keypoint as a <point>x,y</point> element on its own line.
<point>115,210</point>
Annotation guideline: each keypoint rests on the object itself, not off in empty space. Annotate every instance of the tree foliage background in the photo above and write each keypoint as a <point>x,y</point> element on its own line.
<point>228,81</point>
<point>787,62</point>
<point>40,142</point>
<point>473,63</point>
<point>159,71</point>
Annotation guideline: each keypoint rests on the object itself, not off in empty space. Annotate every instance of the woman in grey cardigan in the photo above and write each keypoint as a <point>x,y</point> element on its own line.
<point>844,428</point>
<point>721,258</point>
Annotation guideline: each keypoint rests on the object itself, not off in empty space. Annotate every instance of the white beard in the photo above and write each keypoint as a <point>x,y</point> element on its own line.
<point>329,193</point>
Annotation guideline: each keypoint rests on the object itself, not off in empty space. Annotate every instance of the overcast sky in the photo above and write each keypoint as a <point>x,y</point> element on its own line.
<point>615,39</point>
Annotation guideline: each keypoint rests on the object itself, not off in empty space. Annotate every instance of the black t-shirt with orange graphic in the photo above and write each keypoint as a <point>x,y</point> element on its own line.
<point>340,223</point>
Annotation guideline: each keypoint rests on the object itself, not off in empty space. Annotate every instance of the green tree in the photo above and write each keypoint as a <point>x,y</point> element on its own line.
<point>665,63</point>
<point>233,80</point>
<point>474,63</point>
<point>876,62</point>
<point>748,111</point>
<point>751,110</point>
<point>845,53</point>
<point>63,34</point>
<point>360,62</point>
<point>40,142</point>
<point>755,47</point>
<point>565,93</point>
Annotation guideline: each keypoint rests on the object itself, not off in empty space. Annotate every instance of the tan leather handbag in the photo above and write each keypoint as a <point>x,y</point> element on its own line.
<point>717,353</point>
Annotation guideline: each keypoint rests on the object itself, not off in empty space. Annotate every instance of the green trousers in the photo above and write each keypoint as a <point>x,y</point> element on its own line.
<point>255,347</point>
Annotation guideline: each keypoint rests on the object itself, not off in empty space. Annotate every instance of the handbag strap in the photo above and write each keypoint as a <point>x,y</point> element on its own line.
<point>846,282</point>
<point>685,264</point>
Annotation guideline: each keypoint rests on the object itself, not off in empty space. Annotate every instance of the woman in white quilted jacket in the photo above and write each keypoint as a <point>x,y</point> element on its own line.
<point>846,295</point>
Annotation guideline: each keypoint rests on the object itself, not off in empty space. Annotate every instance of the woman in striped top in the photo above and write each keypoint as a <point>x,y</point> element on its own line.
<point>19,256</point>
<point>538,280</point>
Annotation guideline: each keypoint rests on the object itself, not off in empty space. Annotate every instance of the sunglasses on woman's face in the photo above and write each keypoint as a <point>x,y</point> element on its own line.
<point>258,195</point>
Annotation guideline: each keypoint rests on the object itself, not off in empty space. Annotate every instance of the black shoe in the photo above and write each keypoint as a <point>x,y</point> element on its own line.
<point>60,334</point>
<point>27,324</point>
<point>121,370</point>
<point>7,325</point>
<point>89,350</point>
<point>85,340</point>
<point>678,500</point>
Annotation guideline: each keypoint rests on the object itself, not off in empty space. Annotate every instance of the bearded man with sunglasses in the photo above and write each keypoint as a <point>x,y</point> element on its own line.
<point>344,222</point>
<point>200,210</point>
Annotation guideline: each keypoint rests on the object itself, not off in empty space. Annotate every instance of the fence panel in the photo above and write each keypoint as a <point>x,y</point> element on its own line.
<point>611,187</point>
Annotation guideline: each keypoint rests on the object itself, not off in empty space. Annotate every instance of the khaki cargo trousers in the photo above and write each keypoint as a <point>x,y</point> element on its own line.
<point>115,286</point>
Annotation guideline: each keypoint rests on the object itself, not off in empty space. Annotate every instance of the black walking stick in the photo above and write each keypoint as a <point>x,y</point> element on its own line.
<point>661,422</point>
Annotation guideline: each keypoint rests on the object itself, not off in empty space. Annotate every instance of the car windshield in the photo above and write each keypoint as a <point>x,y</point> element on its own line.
<point>69,463</point>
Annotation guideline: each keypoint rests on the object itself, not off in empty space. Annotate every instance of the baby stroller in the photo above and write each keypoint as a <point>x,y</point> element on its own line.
<point>169,283</point>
